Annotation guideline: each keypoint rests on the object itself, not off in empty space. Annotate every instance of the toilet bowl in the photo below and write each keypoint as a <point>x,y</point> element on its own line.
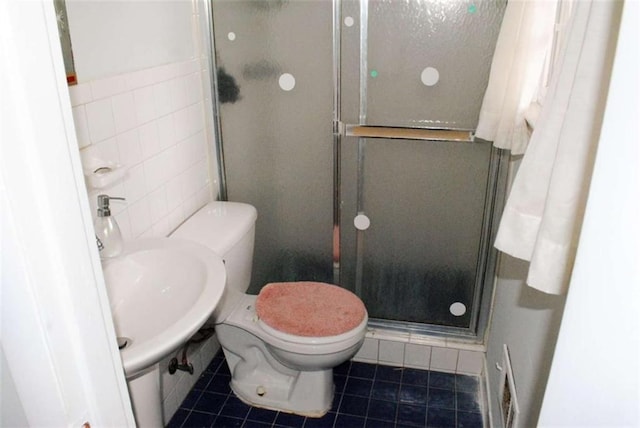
<point>282,345</point>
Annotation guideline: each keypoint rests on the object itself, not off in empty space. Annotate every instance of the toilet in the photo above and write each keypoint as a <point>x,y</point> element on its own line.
<point>282,345</point>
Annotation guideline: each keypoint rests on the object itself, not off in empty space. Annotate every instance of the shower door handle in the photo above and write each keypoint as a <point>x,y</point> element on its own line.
<point>424,134</point>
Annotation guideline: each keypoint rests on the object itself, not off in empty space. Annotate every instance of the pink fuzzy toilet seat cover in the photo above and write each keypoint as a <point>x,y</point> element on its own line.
<point>312,309</point>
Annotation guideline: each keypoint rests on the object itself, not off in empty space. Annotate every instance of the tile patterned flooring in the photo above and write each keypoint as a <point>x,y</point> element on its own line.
<point>367,395</point>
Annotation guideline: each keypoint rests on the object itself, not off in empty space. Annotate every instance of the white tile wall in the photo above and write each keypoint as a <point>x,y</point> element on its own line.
<point>369,351</point>
<point>152,122</point>
<point>391,353</point>
<point>470,362</point>
<point>417,356</point>
<point>444,359</point>
<point>100,120</point>
<point>82,130</point>
<point>421,352</point>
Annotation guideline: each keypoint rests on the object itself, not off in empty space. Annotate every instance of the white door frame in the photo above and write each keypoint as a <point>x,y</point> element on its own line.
<point>56,330</point>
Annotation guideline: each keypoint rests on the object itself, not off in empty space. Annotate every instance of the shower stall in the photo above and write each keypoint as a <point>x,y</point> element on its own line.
<point>349,126</point>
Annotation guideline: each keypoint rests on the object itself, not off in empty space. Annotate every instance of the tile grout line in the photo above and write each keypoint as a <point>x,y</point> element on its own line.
<point>395,417</point>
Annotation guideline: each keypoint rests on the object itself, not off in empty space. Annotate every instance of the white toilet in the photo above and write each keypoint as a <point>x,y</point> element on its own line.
<point>282,345</point>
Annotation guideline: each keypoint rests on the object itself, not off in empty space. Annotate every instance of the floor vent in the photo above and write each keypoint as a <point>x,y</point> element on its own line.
<point>508,398</point>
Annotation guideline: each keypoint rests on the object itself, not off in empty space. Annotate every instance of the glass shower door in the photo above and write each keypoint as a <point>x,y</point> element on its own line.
<point>294,79</point>
<point>275,78</point>
<point>419,257</point>
<point>416,212</point>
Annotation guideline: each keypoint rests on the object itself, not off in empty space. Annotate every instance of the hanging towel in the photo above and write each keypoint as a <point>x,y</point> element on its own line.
<point>519,60</point>
<point>544,211</point>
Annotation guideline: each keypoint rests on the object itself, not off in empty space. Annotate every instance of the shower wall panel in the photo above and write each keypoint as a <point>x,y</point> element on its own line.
<point>275,67</point>
<point>428,61</point>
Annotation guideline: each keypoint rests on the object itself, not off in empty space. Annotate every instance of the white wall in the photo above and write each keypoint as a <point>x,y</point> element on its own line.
<point>595,377</point>
<point>114,37</point>
<point>527,321</point>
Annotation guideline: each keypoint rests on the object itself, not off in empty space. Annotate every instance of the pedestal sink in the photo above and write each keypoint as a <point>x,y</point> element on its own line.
<point>161,291</point>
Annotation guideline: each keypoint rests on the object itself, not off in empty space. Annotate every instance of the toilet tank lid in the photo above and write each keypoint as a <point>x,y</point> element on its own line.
<point>218,225</point>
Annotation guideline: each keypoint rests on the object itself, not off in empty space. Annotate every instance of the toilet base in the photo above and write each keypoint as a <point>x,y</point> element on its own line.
<point>313,406</point>
<point>259,380</point>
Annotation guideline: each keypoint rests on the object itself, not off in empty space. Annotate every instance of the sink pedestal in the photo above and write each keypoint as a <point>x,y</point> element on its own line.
<point>144,390</point>
<point>161,290</point>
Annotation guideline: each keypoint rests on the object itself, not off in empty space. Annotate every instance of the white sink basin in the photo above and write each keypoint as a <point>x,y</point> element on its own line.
<point>161,292</point>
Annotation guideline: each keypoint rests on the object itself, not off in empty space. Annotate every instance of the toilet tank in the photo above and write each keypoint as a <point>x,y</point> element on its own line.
<point>227,228</point>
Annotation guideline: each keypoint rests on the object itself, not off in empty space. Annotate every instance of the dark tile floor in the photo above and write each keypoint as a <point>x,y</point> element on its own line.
<point>367,395</point>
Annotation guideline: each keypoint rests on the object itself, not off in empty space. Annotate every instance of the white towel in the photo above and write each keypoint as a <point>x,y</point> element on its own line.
<point>544,211</point>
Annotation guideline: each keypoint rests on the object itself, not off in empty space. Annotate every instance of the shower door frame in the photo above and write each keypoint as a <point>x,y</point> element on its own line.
<point>486,264</point>
<point>494,201</point>
<point>494,198</point>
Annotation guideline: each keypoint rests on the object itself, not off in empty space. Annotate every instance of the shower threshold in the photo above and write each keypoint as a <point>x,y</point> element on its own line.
<point>425,334</point>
